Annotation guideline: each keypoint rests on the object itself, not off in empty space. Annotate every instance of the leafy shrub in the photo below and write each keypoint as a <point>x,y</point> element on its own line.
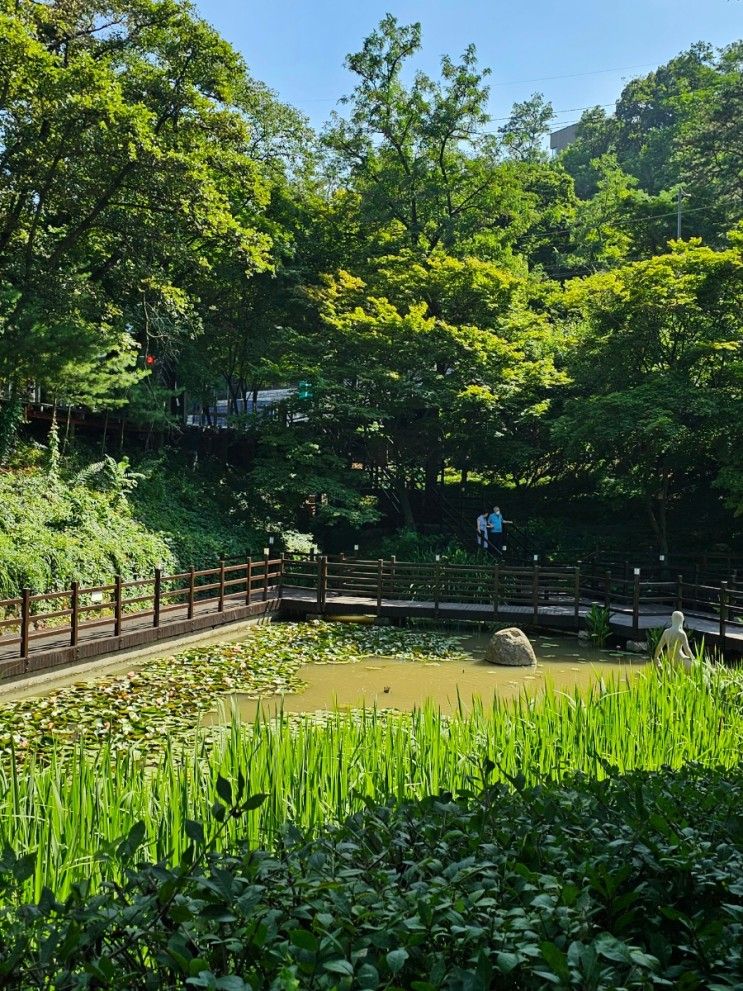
<point>73,519</point>
<point>408,545</point>
<point>630,882</point>
<point>53,534</point>
<point>198,507</point>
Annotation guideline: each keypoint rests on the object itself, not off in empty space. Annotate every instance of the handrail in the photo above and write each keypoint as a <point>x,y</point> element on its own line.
<point>493,583</point>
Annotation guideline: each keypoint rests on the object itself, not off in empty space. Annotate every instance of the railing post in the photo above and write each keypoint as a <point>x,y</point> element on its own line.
<point>220,604</point>
<point>191,591</point>
<point>636,604</point>
<point>156,597</point>
<point>437,588</point>
<point>266,559</point>
<point>248,579</point>
<point>25,622</point>
<point>723,612</point>
<point>496,590</point>
<point>380,572</point>
<point>281,574</point>
<point>607,589</point>
<point>323,588</point>
<point>393,561</point>
<point>535,594</point>
<point>679,592</point>
<point>576,588</point>
<point>74,612</point>
<point>118,607</point>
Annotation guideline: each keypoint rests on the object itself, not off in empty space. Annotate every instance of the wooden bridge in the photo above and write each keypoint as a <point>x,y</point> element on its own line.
<point>59,628</point>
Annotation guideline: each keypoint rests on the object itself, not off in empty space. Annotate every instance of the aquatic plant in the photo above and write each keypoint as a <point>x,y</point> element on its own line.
<point>598,625</point>
<point>628,882</point>
<point>70,805</point>
<point>652,638</point>
<point>164,699</point>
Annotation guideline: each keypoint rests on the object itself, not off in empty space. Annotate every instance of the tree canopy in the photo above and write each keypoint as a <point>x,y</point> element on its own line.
<point>449,294</point>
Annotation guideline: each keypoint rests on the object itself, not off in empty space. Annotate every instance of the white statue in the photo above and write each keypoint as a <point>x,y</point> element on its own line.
<point>675,643</point>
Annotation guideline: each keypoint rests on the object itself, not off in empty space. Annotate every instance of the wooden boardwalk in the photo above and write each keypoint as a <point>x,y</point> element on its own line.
<point>61,628</point>
<point>554,615</point>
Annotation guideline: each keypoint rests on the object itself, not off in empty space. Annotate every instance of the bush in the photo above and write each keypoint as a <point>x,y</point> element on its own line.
<point>629,882</point>
<point>85,519</point>
<point>52,534</point>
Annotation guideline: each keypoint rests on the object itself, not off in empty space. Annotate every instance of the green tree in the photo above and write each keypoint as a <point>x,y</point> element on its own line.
<point>656,366</point>
<point>620,222</point>
<point>524,133</point>
<point>124,159</point>
<point>415,153</point>
<point>435,370</point>
<point>709,149</point>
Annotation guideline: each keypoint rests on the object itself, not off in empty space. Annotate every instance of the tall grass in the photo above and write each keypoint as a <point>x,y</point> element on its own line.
<point>71,809</point>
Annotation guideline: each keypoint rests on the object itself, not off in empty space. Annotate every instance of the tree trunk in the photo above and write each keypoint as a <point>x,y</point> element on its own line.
<point>657,517</point>
<point>404,500</point>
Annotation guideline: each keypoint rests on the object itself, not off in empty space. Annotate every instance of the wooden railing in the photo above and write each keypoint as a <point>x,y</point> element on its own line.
<point>68,613</point>
<point>531,588</point>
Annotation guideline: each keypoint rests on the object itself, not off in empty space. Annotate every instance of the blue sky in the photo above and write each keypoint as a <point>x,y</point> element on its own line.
<point>577,52</point>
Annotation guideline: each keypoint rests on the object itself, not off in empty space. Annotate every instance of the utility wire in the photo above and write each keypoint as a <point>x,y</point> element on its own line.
<point>632,220</point>
<point>523,82</point>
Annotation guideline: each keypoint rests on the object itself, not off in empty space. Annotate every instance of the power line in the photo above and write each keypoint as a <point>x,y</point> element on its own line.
<point>521,82</point>
<point>575,75</point>
<point>630,221</point>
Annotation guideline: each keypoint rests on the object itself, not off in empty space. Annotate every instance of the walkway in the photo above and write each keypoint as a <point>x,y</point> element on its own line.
<point>297,601</point>
<point>61,628</point>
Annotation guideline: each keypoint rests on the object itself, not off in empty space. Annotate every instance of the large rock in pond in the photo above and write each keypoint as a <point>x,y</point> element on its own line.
<point>511,648</point>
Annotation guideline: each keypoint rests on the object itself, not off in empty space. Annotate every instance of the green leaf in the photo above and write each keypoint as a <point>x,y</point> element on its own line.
<point>304,939</point>
<point>195,831</point>
<point>24,867</point>
<point>339,967</point>
<point>507,962</point>
<point>367,977</point>
<point>224,790</point>
<point>396,959</point>
<point>555,958</point>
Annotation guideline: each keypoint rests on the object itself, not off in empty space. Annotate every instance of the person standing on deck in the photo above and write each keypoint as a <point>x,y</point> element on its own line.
<point>482,530</point>
<point>495,525</point>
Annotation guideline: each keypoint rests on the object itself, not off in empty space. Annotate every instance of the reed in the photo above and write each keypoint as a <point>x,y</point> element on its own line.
<point>72,807</point>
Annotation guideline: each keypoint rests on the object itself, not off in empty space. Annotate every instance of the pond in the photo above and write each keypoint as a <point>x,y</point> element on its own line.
<point>451,682</point>
<point>300,667</point>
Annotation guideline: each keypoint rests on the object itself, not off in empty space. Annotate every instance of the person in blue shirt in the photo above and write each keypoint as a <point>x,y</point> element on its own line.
<point>495,525</point>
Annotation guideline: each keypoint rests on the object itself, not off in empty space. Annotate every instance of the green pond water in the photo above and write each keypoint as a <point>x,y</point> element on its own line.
<point>391,683</point>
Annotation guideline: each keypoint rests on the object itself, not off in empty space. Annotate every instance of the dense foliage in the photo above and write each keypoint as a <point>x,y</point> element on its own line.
<point>448,296</point>
<point>54,534</point>
<point>86,518</point>
<point>630,882</point>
